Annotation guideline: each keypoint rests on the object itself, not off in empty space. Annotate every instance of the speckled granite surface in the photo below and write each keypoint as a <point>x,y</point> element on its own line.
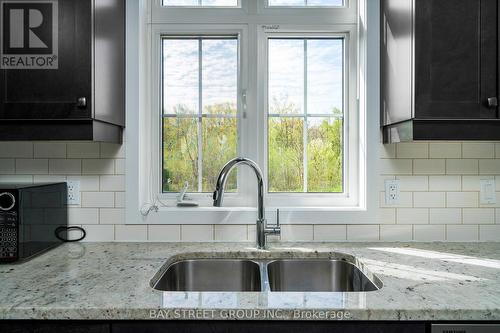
<point>441,281</point>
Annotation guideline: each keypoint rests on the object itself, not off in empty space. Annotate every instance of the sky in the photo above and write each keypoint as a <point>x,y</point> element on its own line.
<point>286,73</point>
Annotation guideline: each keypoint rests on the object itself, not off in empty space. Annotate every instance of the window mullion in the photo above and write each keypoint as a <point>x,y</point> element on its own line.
<point>200,115</point>
<point>304,126</point>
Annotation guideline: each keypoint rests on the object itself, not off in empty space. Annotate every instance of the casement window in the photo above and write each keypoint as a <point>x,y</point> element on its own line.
<point>242,78</point>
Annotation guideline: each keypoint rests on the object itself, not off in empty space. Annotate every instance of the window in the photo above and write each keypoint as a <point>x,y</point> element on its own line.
<point>199,110</point>
<point>201,3</point>
<point>283,94</point>
<point>305,108</point>
<point>305,3</point>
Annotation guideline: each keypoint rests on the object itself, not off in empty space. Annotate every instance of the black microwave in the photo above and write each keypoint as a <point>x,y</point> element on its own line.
<point>33,218</point>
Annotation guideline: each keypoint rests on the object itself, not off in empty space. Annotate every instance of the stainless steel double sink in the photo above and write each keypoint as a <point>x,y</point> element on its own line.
<point>279,275</point>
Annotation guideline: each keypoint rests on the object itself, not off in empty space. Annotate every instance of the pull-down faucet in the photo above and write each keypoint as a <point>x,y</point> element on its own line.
<point>262,229</point>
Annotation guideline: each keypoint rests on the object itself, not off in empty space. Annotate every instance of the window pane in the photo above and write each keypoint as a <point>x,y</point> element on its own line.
<point>220,75</point>
<point>180,76</point>
<point>205,3</point>
<point>325,76</point>
<point>200,134</point>
<point>304,3</point>
<point>306,84</point>
<point>219,146</point>
<point>324,155</point>
<point>286,171</point>
<point>286,76</point>
<point>180,152</point>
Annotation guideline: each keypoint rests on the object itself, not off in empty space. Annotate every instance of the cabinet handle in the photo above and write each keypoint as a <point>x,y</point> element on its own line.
<point>492,102</point>
<point>81,102</point>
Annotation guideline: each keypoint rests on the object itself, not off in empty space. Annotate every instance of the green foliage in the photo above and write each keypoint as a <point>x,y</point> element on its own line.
<point>180,148</point>
<point>285,150</point>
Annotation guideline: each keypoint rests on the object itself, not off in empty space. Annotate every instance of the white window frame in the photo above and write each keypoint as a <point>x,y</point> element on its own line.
<point>351,174</point>
<point>139,69</point>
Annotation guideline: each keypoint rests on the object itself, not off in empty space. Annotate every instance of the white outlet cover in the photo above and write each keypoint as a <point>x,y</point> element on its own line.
<point>74,192</point>
<point>488,191</point>
<point>392,189</point>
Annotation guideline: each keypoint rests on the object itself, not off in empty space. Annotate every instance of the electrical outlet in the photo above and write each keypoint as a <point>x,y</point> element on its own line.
<point>392,192</point>
<point>487,191</point>
<point>73,192</point>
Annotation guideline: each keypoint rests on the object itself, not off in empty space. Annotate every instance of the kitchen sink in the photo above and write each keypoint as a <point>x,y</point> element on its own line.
<point>317,275</point>
<point>343,274</point>
<point>211,275</point>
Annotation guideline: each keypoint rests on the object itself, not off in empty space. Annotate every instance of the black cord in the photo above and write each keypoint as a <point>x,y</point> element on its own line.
<point>60,229</point>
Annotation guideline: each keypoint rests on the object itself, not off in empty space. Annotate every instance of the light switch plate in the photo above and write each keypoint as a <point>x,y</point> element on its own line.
<point>488,192</point>
<point>74,192</point>
<point>392,189</point>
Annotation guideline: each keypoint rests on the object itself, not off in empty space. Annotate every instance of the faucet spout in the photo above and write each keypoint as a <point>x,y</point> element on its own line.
<point>218,196</point>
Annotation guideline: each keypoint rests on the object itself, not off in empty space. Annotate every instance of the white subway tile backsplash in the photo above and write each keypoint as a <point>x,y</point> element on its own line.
<point>478,150</point>
<point>445,150</point>
<point>472,183</point>
<point>112,183</point>
<point>16,149</point>
<point>49,150</point>
<point>87,183</point>
<point>445,183</point>
<point>445,216</point>
<point>14,179</point>
<point>429,167</point>
<point>330,233</point>
<point>28,166</point>
<point>164,233</point>
<point>497,150</point>
<point>387,216</point>
<point>98,199</point>
<point>99,233</point>
<point>131,233</point>
<point>412,216</point>
<point>83,150</point>
<point>462,233</point>
<point>405,200</point>
<point>489,167</point>
<point>363,232</point>
<point>429,199</point>
<point>120,166</point>
<point>112,150</point>
<point>119,199</point>
<point>413,183</point>
<point>98,166</point>
<point>412,150</point>
<point>393,233</point>
<point>231,233</point>
<point>489,233</point>
<point>462,199</point>
<point>7,166</point>
<point>83,215</point>
<point>387,151</point>
<point>111,216</point>
<point>479,215</point>
<point>65,167</point>
<point>462,167</point>
<point>294,232</point>
<point>48,179</point>
<point>429,233</point>
<point>395,167</point>
<point>197,233</point>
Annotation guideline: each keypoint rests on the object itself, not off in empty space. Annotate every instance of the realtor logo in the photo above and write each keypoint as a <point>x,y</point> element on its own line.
<point>28,34</point>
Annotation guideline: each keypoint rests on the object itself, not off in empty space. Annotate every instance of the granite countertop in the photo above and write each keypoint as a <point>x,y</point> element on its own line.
<point>422,281</point>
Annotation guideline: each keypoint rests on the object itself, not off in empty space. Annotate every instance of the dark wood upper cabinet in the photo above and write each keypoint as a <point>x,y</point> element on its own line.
<point>83,97</point>
<point>439,70</point>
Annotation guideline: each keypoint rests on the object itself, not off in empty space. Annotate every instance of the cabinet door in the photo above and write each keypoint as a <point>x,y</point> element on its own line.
<point>455,58</point>
<point>51,93</point>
